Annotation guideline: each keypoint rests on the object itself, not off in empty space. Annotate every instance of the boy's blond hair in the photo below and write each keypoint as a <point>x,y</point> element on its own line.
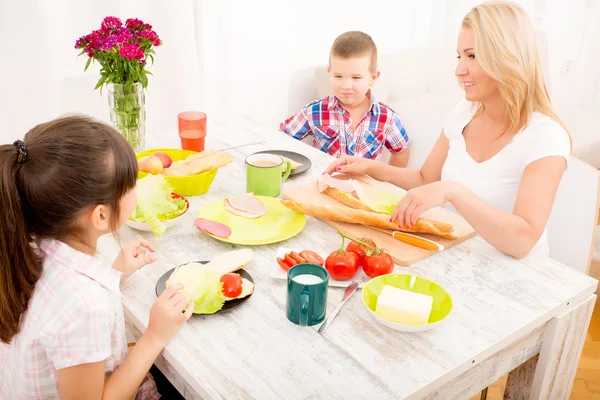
<point>355,44</point>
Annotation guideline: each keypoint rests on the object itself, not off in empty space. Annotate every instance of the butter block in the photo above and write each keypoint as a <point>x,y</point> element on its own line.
<point>403,306</point>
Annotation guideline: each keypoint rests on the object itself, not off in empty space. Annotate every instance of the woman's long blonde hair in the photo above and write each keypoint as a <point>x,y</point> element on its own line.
<point>506,49</point>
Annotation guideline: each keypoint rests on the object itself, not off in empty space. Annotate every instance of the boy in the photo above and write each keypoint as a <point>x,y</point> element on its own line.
<point>350,120</point>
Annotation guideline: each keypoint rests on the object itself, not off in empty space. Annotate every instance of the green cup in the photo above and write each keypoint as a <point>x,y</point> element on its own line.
<point>263,174</point>
<point>307,286</point>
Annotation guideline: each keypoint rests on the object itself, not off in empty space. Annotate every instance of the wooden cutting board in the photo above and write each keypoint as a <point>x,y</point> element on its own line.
<point>403,254</point>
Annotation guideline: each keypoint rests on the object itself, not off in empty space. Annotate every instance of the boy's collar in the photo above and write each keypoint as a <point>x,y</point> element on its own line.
<point>374,107</point>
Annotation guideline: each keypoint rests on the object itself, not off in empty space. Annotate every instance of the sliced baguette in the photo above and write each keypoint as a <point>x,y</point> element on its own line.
<point>214,161</point>
<point>230,261</point>
<point>347,199</point>
<point>369,218</point>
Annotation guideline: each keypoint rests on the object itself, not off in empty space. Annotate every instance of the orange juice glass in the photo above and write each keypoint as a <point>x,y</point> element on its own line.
<point>192,130</point>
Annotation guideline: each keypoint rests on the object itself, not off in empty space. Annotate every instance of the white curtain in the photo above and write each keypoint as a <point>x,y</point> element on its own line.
<point>42,77</point>
<point>252,62</point>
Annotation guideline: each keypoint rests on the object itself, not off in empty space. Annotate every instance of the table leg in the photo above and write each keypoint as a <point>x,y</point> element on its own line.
<point>550,375</point>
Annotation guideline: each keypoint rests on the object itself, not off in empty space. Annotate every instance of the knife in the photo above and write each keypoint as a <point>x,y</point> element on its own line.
<point>347,293</point>
<point>413,240</point>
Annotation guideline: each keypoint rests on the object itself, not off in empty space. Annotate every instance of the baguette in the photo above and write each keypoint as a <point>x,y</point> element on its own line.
<point>347,199</point>
<point>369,218</point>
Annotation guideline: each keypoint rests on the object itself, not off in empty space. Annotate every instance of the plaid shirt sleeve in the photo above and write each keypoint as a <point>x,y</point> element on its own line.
<point>84,340</point>
<point>396,138</point>
<point>297,125</point>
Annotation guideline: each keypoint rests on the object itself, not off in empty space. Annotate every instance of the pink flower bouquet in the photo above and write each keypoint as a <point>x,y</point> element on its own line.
<point>122,52</point>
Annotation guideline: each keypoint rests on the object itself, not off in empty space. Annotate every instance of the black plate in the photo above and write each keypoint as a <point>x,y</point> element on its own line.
<point>161,285</point>
<point>299,158</point>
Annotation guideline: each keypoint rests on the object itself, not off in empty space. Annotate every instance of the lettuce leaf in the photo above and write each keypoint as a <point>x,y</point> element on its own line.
<point>201,285</point>
<point>155,203</point>
<point>379,200</point>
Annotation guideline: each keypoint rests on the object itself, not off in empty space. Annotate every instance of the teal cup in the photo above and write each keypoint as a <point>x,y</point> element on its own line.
<point>265,173</point>
<point>307,286</point>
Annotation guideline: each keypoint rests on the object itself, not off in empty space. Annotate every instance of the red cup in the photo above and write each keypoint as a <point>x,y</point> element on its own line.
<point>192,130</point>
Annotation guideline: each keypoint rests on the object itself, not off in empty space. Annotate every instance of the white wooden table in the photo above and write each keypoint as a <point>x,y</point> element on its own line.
<point>529,317</point>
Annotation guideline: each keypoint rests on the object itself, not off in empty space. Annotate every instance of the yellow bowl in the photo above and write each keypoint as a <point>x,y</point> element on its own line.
<point>192,185</point>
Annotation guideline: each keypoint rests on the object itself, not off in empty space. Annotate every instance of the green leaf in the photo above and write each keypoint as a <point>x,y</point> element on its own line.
<point>100,82</point>
<point>147,72</point>
<point>87,64</point>
<point>144,80</point>
<point>82,51</point>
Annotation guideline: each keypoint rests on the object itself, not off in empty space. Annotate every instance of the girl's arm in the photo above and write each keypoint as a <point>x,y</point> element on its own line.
<point>86,381</point>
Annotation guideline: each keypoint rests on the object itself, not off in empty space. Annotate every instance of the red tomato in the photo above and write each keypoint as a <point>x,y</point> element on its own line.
<point>342,266</point>
<point>311,257</point>
<point>378,264</point>
<point>359,249</point>
<point>289,260</point>
<point>232,285</point>
<point>296,257</point>
<point>285,266</point>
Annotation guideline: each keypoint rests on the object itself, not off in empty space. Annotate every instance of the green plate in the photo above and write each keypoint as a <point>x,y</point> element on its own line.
<point>442,301</point>
<point>278,224</point>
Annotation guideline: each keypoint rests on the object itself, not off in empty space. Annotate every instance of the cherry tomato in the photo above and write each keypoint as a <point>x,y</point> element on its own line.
<point>296,257</point>
<point>342,265</point>
<point>378,264</point>
<point>311,257</point>
<point>289,260</point>
<point>285,266</point>
<point>232,285</point>
<point>359,249</point>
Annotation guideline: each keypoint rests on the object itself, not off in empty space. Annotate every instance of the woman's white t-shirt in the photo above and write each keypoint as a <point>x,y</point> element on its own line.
<point>497,180</point>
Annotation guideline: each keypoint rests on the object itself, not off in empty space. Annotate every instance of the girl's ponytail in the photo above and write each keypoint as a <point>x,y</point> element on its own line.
<point>20,267</point>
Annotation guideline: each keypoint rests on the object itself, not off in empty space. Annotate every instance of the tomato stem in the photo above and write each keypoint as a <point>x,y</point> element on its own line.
<point>372,249</point>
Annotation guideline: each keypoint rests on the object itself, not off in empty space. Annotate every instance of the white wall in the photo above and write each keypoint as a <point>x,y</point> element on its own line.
<point>270,56</point>
<point>254,60</point>
<point>41,76</point>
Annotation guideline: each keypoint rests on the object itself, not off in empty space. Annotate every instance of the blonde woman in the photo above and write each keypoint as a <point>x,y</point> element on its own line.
<point>502,151</point>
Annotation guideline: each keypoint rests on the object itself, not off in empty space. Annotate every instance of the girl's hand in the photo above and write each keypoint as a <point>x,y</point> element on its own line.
<point>350,165</point>
<point>134,256</point>
<point>420,199</point>
<point>168,315</point>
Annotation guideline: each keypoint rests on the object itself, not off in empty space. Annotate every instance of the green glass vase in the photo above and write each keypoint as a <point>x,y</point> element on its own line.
<point>128,112</point>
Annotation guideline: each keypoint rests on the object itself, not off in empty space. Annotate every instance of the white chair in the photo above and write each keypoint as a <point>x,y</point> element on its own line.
<point>572,223</point>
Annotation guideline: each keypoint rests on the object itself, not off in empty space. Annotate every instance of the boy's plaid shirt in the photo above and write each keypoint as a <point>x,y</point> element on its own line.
<point>330,125</point>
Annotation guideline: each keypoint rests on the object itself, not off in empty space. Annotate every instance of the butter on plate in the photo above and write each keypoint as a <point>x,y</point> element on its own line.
<point>403,306</point>
<point>293,164</point>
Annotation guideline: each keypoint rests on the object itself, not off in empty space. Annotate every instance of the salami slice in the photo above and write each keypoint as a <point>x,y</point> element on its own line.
<point>212,227</point>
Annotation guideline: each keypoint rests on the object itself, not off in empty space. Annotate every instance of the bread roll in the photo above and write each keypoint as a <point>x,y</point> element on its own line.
<point>369,218</point>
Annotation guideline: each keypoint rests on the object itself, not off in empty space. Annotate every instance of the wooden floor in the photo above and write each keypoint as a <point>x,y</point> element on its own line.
<point>587,380</point>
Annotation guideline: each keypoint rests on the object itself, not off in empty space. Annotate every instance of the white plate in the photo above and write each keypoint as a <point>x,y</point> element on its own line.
<point>278,273</point>
<point>143,226</point>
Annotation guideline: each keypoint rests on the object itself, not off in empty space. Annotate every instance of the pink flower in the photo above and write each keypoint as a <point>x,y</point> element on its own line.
<point>151,36</point>
<point>131,51</point>
<point>111,24</point>
<point>134,24</point>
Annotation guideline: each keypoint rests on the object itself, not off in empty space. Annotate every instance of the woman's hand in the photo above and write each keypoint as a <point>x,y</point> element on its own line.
<point>134,256</point>
<point>420,199</point>
<point>350,165</point>
<point>168,315</point>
